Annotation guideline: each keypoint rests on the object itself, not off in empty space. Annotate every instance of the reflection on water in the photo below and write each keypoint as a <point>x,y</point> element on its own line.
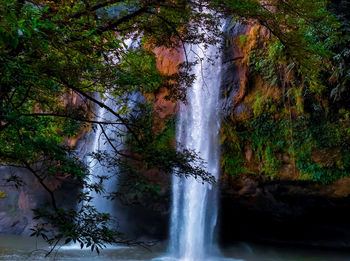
<point>14,248</point>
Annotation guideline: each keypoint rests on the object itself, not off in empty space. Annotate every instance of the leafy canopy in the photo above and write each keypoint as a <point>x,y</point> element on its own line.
<point>57,55</point>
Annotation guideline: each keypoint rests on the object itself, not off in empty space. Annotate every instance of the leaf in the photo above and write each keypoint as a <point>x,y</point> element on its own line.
<point>44,236</point>
<point>273,81</point>
<point>3,194</point>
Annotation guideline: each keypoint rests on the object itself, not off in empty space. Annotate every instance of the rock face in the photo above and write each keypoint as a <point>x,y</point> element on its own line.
<point>233,75</point>
<point>167,61</point>
<point>254,208</point>
<point>16,215</point>
<point>240,39</point>
<point>146,215</point>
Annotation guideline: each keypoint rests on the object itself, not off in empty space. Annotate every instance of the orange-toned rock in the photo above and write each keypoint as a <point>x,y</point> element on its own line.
<point>242,45</point>
<point>168,59</point>
<point>72,99</point>
<point>167,62</point>
<point>161,105</point>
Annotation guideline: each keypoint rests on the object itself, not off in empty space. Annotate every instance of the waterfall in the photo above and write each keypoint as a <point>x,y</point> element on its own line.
<point>194,207</point>
<point>115,133</point>
<point>100,143</point>
<point>94,142</point>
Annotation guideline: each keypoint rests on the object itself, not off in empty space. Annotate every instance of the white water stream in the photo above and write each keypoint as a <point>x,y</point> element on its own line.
<point>100,143</point>
<point>194,207</point>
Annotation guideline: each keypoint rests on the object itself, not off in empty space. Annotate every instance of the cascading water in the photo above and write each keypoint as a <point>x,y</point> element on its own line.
<point>194,207</point>
<point>100,143</point>
<point>95,142</point>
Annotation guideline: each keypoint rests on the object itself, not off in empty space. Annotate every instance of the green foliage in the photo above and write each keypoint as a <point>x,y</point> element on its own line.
<point>231,159</point>
<point>157,148</point>
<point>318,145</point>
<point>242,40</point>
<point>97,227</point>
<point>54,57</point>
<point>138,70</point>
<point>268,62</point>
<point>233,164</point>
<point>305,62</point>
<point>304,34</point>
<point>51,51</point>
<point>271,165</point>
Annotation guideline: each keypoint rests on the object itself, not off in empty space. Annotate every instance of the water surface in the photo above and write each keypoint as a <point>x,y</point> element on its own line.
<point>14,248</point>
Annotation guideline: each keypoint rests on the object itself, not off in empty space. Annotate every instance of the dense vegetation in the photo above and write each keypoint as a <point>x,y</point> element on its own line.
<point>298,99</point>
<point>53,50</point>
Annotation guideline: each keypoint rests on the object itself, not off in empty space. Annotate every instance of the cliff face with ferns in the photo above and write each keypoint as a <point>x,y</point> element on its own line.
<point>279,182</point>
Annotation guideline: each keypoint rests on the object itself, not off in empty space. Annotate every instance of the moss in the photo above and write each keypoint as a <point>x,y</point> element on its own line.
<point>291,122</point>
<point>242,40</point>
<point>316,145</point>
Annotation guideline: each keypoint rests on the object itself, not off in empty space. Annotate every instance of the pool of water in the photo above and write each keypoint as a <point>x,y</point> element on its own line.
<point>14,248</point>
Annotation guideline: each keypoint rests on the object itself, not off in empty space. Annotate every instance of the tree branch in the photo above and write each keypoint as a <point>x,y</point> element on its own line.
<point>102,105</point>
<point>41,181</point>
<point>113,147</point>
<point>116,22</point>
<point>95,7</point>
<point>70,117</point>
